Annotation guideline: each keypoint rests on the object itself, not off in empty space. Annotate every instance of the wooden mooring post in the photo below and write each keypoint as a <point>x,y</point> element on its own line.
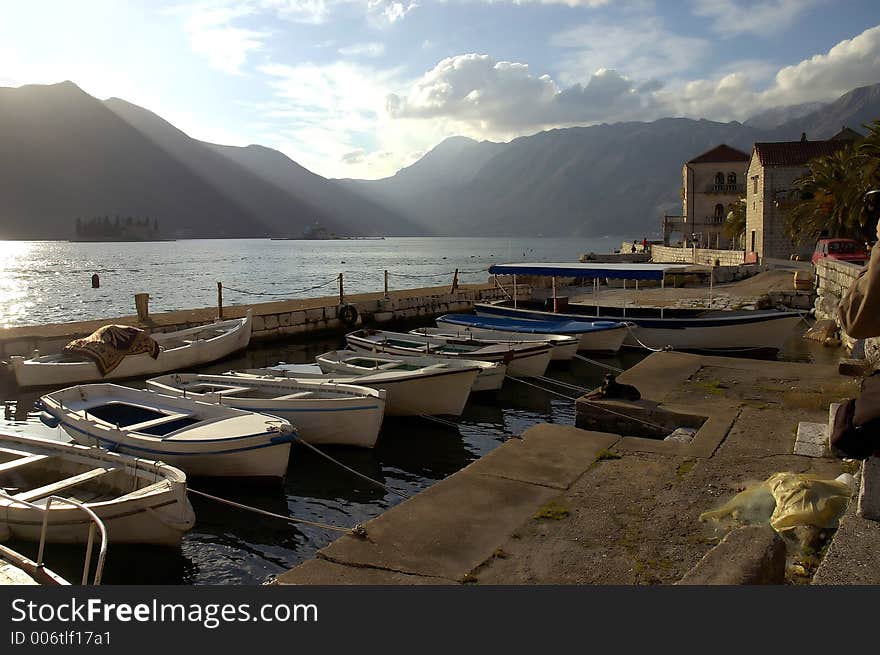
<point>454,282</point>
<point>341,290</point>
<point>220,300</point>
<point>386,284</point>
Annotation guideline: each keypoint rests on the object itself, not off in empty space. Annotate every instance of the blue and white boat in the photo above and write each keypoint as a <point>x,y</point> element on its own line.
<point>697,330</point>
<point>202,439</point>
<point>594,336</point>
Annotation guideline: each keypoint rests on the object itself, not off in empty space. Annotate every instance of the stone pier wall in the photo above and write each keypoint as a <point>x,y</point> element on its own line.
<point>704,256</point>
<point>274,320</point>
<point>833,279</point>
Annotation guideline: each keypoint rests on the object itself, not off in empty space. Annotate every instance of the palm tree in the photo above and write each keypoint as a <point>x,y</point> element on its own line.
<point>829,198</point>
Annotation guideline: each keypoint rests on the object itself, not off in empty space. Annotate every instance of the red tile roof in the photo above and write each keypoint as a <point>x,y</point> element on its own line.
<point>795,153</point>
<point>722,153</point>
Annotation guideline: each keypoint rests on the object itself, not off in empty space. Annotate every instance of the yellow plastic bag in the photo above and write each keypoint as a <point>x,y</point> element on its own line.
<point>786,501</point>
<point>803,499</point>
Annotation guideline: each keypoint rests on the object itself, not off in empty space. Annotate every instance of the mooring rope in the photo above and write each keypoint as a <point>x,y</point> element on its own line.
<point>643,345</point>
<point>591,404</point>
<point>353,471</point>
<point>282,293</point>
<point>358,530</point>
<point>598,363</point>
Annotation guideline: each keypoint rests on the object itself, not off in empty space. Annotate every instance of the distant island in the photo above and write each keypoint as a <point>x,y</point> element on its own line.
<point>103,228</point>
<point>317,232</point>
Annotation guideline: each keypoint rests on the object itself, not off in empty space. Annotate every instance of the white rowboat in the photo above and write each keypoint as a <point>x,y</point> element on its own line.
<point>562,348</point>
<point>349,362</point>
<point>418,392</point>
<point>322,412</point>
<point>522,360</point>
<point>178,350</point>
<point>139,501</point>
<point>203,439</point>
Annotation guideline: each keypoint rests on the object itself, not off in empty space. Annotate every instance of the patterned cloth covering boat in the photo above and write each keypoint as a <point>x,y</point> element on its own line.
<point>349,362</point>
<point>138,501</point>
<point>715,332</point>
<point>562,348</point>
<point>422,391</point>
<point>522,360</point>
<point>322,412</point>
<point>203,439</point>
<point>592,336</point>
<point>178,350</point>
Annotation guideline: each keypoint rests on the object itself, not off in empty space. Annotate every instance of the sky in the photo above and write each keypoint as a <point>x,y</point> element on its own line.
<point>361,88</point>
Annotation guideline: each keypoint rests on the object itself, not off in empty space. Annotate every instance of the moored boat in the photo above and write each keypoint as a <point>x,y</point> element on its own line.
<point>592,336</point>
<point>203,439</point>
<point>419,392</point>
<point>521,360</point>
<point>708,331</point>
<point>322,412</point>
<point>562,348</point>
<point>177,350</point>
<point>138,501</point>
<point>349,362</point>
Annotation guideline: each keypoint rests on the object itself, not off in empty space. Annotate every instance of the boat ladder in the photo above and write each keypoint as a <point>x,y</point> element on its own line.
<point>94,522</point>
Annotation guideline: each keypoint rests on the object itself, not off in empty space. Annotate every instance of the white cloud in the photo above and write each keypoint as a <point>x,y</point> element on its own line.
<point>762,17</point>
<point>849,64</point>
<point>644,47</point>
<point>499,98</point>
<point>363,50</point>
<point>212,35</point>
<point>390,10</point>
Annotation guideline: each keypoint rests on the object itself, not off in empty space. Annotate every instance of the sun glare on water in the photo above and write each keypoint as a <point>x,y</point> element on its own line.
<point>14,295</point>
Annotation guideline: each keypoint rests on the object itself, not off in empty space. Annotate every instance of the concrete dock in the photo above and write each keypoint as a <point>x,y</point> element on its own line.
<point>564,505</point>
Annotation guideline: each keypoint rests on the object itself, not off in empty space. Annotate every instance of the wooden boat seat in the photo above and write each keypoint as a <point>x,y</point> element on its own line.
<point>24,461</point>
<point>299,394</point>
<point>60,485</point>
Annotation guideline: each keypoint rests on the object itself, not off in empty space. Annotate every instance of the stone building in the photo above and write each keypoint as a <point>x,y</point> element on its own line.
<point>711,182</point>
<point>771,173</point>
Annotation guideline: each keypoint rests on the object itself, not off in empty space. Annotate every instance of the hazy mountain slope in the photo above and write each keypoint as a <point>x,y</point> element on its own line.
<point>853,109</point>
<point>776,116</point>
<point>361,215</point>
<point>64,154</point>
<point>603,179</point>
<point>417,190</point>
<point>285,213</point>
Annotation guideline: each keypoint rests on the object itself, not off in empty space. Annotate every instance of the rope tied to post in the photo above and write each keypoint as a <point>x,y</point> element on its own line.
<point>333,280</point>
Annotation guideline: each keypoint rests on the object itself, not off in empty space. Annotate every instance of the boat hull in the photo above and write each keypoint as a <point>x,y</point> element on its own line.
<point>158,514</point>
<point>731,334</point>
<point>345,421</point>
<point>33,373</point>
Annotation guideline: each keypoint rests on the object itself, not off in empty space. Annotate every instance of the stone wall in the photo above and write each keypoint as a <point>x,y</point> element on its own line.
<point>274,320</point>
<point>669,255</point>
<point>833,279</point>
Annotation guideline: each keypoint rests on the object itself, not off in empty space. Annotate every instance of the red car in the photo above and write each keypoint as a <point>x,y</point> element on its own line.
<point>845,250</point>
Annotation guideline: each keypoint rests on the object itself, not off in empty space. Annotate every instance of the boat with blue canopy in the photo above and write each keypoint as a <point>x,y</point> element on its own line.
<point>697,330</point>
<point>593,336</point>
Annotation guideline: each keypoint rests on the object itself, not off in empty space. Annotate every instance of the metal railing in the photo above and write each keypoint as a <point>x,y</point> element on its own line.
<point>726,188</point>
<point>95,521</point>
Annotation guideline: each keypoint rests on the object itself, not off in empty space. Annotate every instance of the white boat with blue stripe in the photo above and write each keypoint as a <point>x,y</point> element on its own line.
<point>202,439</point>
<point>322,412</point>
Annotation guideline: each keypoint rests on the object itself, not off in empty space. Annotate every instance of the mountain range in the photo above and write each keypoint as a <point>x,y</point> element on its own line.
<point>66,155</point>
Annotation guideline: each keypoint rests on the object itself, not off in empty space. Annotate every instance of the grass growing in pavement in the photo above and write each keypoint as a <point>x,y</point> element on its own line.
<point>607,454</point>
<point>553,510</point>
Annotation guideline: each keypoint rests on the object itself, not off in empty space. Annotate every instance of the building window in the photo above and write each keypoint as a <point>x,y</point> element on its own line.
<point>752,249</point>
<point>719,178</point>
<point>755,184</point>
<point>719,213</point>
<point>731,178</point>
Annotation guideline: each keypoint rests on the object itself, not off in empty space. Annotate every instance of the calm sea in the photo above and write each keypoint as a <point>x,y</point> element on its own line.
<point>50,281</point>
